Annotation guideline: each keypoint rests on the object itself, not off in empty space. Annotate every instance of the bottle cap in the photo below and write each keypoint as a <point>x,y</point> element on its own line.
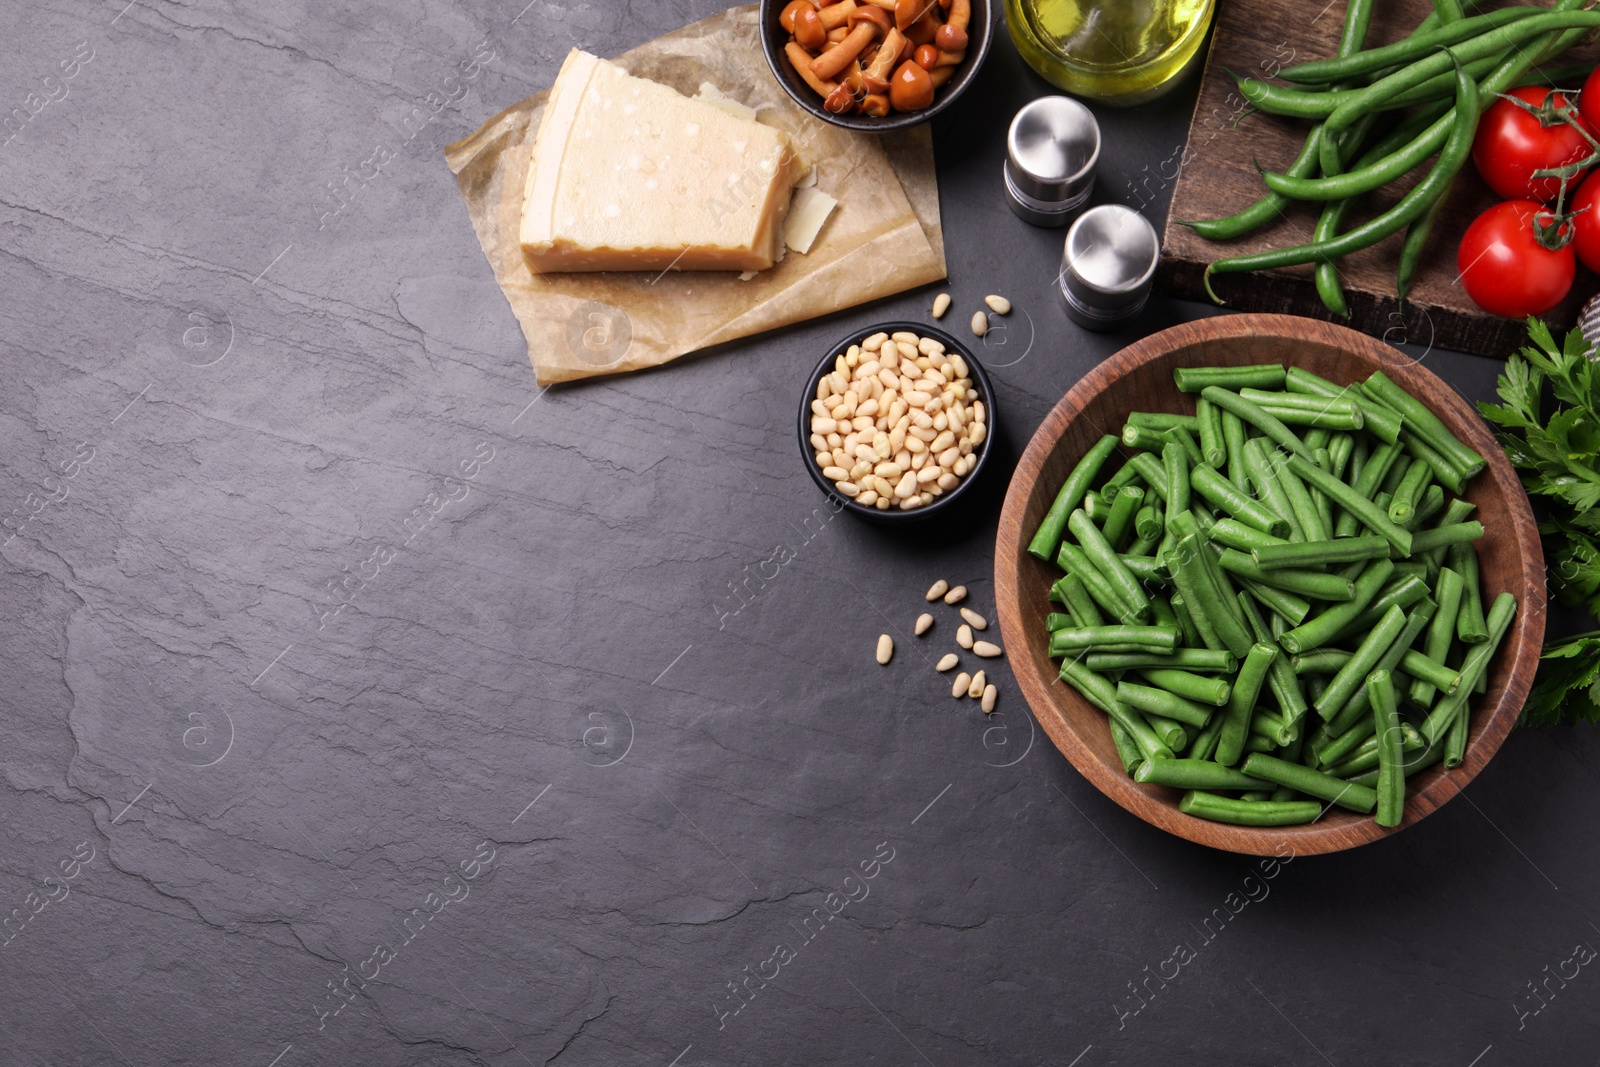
<point>1051,151</point>
<point>1106,267</point>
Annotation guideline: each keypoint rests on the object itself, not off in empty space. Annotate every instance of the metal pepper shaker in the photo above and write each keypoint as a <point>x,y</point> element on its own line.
<point>1107,266</point>
<point>1051,151</point>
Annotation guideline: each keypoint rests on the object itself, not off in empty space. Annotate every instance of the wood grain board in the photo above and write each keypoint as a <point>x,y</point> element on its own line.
<point>1139,378</point>
<point>1218,177</point>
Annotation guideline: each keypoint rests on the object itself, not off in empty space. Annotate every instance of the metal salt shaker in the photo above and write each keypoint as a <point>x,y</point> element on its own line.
<point>1107,265</point>
<point>1051,151</point>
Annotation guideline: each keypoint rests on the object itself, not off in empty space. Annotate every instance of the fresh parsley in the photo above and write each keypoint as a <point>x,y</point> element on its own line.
<point>1556,450</point>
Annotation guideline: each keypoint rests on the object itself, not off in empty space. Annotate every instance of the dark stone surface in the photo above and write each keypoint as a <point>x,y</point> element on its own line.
<point>539,758</point>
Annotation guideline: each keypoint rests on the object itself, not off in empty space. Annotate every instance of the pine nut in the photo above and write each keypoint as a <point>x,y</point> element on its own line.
<point>977,621</point>
<point>838,474</point>
<point>976,688</point>
<point>906,486</point>
<point>980,323</point>
<point>937,590</point>
<point>915,444</point>
<point>886,648</point>
<point>824,425</point>
<point>959,687</point>
<point>888,469</point>
<point>959,364</point>
<point>922,420</point>
<point>941,304</point>
<point>977,411</point>
<point>987,650</point>
<point>873,343</point>
<point>948,660</point>
<point>850,489</point>
<point>928,474</point>
<point>941,421</point>
<point>930,346</point>
<point>964,636</point>
<point>905,337</point>
<point>945,440</point>
<point>924,623</point>
<point>990,693</point>
<point>860,471</point>
<point>977,432</point>
<point>956,595</point>
<point>920,460</point>
<point>998,304</point>
<point>947,459</point>
<point>867,498</point>
<point>947,481</point>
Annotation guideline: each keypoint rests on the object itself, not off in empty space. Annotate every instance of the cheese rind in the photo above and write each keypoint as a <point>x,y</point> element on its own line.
<point>628,174</point>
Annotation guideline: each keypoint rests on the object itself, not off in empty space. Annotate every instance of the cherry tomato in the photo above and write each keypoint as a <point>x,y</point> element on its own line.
<point>1506,270</point>
<point>1589,100</point>
<point>1511,144</point>
<point>1586,223</point>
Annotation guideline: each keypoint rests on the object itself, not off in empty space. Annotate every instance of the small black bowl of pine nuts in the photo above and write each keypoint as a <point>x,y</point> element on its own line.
<point>896,422</point>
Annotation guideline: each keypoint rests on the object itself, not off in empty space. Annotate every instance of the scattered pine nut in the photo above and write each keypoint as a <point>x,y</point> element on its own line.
<point>980,323</point>
<point>987,650</point>
<point>976,688</point>
<point>954,596</point>
<point>885,648</point>
<point>924,623</point>
<point>998,304</point>
<point>937,590</point>
<point>964,636</point>
<point>941,304</point>
<point>978,621</point>
<point>962,683</point>
<point>950,660</point>
<point>990,694</point>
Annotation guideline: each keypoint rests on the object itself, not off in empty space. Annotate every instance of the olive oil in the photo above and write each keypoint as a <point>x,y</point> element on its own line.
<point>1118,51</point>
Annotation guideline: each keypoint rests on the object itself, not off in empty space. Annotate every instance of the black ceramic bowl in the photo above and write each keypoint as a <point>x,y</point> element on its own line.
<point>981,390</point>
<point>774,37</point>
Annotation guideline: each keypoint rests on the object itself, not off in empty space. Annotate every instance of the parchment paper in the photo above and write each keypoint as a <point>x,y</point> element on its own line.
<point>883,238</point>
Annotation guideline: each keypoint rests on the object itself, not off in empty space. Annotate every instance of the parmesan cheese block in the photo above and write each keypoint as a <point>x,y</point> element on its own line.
<point>628,174</point>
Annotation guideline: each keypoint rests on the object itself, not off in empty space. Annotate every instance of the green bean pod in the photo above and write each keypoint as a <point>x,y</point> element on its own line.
<point>1209,806</point>
<point>1391,753</point>
<point>1312,783</point>
<point>1242,702</point>
<point>1441,632</point>
<point>1322,552</point>
<point>1255,376</point>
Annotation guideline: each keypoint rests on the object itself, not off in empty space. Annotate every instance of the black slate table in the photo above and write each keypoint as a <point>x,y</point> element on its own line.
<point>365,704</point>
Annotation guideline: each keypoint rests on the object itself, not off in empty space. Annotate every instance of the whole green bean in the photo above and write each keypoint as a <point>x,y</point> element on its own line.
<point>1249,812</point>
<point>1391,775</point>
<point>1411,206</point>
<point>1214,691</point>
<point>1313,584</point>
<point>1195,774</point>
<point>1048,535</point>
<point>1470,626</point>
<point>1257,376</point>
<point>1415,242</point>
<point>1441,632</point>
<point>1412,48</point>
<point>1401,149</point>
<point>1167,705</point>
<point>1367,512</point>
<point>1312,783</point>
<point>1242,702</point>
<point>1321,553</point>
<point>1267,209</point>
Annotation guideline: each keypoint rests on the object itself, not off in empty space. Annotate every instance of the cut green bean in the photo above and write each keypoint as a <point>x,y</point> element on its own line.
<point>1356,709</point>
<point>1365,660</point>
<point>1470,626</point>
<point>1323,629</point>
<point>1233,437</point>
<point>1167,705</point>
<point>1426,669</point>
<point>1127,751</point>
<point>1441,632</point>
<point>1209,806</point>
<point>1379,421</point>
<point>1281,679</point>
<point>1321,553</point>
<point>1473,668</point>
<point>1225,495</point>
<point>1231,533</point>
<point>1085,612</point>
<point>1048,535</point>
<point>1261,420</point>
<point>1424,423</point>
<point>1195,774</point>
<point>1075,561</point>
<point>1187,659</point>
<point>1408,493</point>
<point>1110,565</point>
<point>1391,753</point>
<point>1242,702</point>
<point>1161,420</point>
<point>1213,691</point>
<point>1057,620</point>
<point>1280,601</point>
<point>1146,523</point>
<point>1157,638</point>
<point>1258,376</point>
<point>1457,533</point>
<point>1261,469</point>
<point>1364,510</point>
<point>1100,692</point>
<point>1213,447</point>
<point>1145,438</point>
<point>1306,515</point>
<point>1123,510</point>
<point>1312,783</point>
<point>1307,583</point>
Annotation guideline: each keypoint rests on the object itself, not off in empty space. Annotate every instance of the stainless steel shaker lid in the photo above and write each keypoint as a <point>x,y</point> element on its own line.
<point>1051,152</point>
<point>1109,259</point>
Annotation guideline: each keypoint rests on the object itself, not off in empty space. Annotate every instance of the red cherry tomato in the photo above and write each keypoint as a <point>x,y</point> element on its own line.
<point>1589,100</point>
<point>1506,270</point>
<point>1511,144</point>
<point>1585,207</point>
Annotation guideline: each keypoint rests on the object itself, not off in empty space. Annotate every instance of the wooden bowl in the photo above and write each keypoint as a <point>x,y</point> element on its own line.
<point>1139,378</point>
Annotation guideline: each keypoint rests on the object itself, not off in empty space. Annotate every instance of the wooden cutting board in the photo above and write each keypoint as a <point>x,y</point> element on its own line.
<point>1218,177</point>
